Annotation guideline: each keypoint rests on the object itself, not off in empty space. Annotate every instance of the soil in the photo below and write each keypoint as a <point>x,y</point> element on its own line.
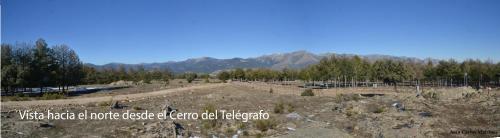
<point>340,112</point>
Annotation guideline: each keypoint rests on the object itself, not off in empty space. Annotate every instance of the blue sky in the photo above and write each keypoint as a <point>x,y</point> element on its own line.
<point>136,31</point>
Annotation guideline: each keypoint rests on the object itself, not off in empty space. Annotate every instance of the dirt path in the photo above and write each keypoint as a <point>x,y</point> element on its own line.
<point>107,98</point>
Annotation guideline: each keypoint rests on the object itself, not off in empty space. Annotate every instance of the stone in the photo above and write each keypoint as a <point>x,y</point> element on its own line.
<point>116,105</point>
<point>293,116</point>
<point>425,114</point>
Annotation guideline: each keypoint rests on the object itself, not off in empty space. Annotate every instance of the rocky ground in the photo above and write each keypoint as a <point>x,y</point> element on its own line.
<point>343,112</point>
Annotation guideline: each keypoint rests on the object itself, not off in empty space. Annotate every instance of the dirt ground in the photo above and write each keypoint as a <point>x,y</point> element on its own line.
<point>345,112</point>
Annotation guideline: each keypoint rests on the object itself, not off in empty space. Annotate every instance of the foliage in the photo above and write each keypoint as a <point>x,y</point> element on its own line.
<point>223,76</point>
<point>307,92</point>
<point>265,124</point>
<point>52,96</point>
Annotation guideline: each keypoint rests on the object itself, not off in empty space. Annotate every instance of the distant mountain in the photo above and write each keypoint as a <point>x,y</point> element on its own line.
<point>293,60</point>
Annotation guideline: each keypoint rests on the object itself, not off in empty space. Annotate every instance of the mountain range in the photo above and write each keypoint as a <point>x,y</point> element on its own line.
<point>293,60</point>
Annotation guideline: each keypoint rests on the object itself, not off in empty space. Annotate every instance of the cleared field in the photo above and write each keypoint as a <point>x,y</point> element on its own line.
<point>330,113</point>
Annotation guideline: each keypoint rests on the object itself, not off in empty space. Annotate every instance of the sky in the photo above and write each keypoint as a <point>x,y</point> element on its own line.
<point>145,31</point>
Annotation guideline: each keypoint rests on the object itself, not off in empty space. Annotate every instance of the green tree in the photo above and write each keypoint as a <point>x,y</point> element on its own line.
<point>223,76</point>
<point>190,76</point>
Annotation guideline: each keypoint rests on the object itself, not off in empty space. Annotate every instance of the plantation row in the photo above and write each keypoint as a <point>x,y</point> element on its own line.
<point>355,71</point>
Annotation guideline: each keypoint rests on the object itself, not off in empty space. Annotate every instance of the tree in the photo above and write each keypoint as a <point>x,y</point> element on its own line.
<point>43,66</point>
<point>190,76</point>
<point>238,73</point>
<point>223,76</point>
<point>9,71</point>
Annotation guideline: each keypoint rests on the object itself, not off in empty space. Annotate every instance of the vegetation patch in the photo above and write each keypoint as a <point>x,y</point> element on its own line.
<point>307,92</point>
<point>264,125</point>
<point>206,123</point>
<point>52,96</point>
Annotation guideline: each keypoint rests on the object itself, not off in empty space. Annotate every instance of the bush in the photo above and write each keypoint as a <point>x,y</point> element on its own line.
<point>279,107</point>
<point>291,108</point>
<point>19,97</point>
<point>339,98</point>
<point>307,92</point>
<point>105,103</point>
<point>137,108</point>
<point>229,130</point>
<point>52,96</point>
<point>430,95</point>
<point>207,123</point>
<point>351,112</point>
<point>264,125</point>
<point>379,110</point>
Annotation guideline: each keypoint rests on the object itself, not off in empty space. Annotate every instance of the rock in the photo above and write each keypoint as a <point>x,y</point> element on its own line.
<point>116,105</point>
<point>46,125</point>
<point>425,114</point>
<point>293,116</point>
<point>399,106</point>
<point>178,129</point>
<point>168,107</point>
<point>399,126</point>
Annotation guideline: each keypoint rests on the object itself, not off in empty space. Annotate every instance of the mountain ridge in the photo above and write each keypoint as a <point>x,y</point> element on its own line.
<point>294,60</point>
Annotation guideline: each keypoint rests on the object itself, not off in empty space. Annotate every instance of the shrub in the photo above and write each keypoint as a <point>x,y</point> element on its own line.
<point>291,108</point>
<point>229,130</point>
<point>137,108</point>
<point>351,112</point>
<point>241,125</point>
<point>279,107</point>
<point>264,125</point>
<point>307,92</point>
<point>52,96</point>
<point>19,97</point>
<point>208,123</point>
<point>379,110</point>
<point>430,95</point>
<point>339,98</point>
<point>105,103</point>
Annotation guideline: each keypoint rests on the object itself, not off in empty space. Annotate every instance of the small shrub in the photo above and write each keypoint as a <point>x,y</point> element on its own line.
<point>19,97</point>
<point>356,97</point>
<point>241,125</point>
<point>207,123</point>
<point>431,95</point>
<point>259,135</point>
<point>307,92</point>
<point>105,103</point>
<point>52,96</point>
<point>229,130</point>
<point>137,108</point>
<point>379,110</point>
<point>279,107</point>
<point>291,108</point>
<point>351,112</point>
<point>264,125</point>
<point>245,133</point>
<point>339,98</point>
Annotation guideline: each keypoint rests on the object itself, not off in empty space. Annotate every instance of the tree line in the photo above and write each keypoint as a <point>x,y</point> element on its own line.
<point>342,71</point>
<point>26,65</point>
<point>136,74</point>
